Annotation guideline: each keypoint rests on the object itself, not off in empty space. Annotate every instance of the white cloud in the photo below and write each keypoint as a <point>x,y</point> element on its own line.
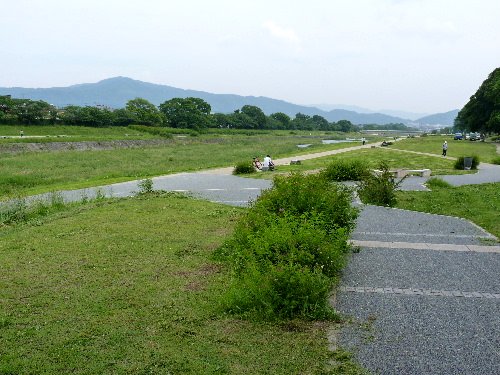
<point>282,33</point>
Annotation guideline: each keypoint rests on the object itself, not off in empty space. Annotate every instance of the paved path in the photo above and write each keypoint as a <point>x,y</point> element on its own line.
<point>423,295</point>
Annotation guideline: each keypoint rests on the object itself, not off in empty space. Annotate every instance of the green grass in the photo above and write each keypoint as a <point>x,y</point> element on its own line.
<point>478,203</point>
<point>37,172</point>
<point>395,159</point>
<point>433,145</point>
<point>62,133</point>
<point>128,287</point>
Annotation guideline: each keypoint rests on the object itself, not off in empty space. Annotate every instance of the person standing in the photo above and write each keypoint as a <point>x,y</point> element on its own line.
<point>445,148</point>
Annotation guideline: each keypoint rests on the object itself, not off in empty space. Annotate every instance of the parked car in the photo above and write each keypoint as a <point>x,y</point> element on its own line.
<point>458,137</point>
<point>474,137</point>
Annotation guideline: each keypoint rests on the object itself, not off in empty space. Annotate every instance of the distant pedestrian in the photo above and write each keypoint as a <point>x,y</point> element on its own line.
<point>21,133</point>
<point>445,148</point>
<point>363,140</point>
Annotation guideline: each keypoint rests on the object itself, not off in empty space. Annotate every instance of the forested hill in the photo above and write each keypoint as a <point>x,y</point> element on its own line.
<point>446,118</point>
<point>115,92</point>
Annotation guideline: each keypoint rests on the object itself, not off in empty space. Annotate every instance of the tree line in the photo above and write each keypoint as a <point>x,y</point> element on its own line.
<point>187,113</point>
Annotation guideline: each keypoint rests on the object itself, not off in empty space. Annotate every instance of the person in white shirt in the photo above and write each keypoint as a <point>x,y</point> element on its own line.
<point>268,163</point>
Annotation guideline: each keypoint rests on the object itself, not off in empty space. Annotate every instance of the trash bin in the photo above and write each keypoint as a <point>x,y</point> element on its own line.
<point>467,163</point>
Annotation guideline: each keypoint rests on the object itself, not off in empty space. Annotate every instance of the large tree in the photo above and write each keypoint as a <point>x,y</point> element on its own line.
<point>482,112</point>
<point>193,113</point>
<point>143,112</point>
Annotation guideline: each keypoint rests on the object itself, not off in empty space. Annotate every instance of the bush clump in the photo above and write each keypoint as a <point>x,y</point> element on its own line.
<point>496,160</point>
<point>345,170</point>
<point>288,248</point>
<point>379,188</point>
<point>436,182</point>
<point>244,167</point>
<point>459,164</point>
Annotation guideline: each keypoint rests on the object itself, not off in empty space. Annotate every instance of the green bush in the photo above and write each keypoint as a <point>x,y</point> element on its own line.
<point>380,188</point>
<point>287,249</point>
<point>459,164</point>
<point>345,170</point>
<point>244,167</point>
<point>145,186</point>
<point>496,160</point>
<point>299,195</point>
<point>436,182</point>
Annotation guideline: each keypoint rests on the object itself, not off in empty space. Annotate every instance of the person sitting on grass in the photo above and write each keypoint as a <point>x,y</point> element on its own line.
<point>268,163</point>
<point>256,163</point>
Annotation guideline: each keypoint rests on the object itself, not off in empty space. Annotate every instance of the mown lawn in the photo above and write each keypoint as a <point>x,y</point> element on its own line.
<point>433,145</point>
<point>128,287</point>
<point>478,203</point>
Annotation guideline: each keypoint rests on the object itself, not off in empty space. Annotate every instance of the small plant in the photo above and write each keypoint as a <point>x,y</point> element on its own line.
<point>244,167</point>
<point>145,186</point>
<point>345,170</point>
<point>496,160</point>
<point>460,163</point>
<point>436,182</point>
<point>380,188</point>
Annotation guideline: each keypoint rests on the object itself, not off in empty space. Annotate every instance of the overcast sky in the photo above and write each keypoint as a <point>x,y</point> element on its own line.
<point>416,55</point>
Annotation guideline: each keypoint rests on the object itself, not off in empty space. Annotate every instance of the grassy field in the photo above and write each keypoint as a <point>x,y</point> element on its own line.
<point>396,159</point>
<point>433,145</point>
<point>478,203</point>
<point>61,133</point>
<point>37,172</point>
<point>128,287</point>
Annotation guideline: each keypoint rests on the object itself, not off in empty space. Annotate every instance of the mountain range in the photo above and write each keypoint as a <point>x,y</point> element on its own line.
<point>115,92</point>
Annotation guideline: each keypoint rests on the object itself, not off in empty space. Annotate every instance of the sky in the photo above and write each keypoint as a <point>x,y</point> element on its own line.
<point>423,56</point>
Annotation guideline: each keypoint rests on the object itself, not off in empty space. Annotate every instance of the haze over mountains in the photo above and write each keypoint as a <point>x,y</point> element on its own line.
<point>115,92</point>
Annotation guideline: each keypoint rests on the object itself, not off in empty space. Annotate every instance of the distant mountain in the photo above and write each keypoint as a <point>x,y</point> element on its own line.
<point>391,112</point>
<point>446,118</point>
<point>115,92</point>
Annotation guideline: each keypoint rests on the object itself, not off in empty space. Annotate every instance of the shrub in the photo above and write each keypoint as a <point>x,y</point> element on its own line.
<point>459,164</point>
<point>345,170</point>
<point>145,186</point>
<point>436,182</point>
<point>244,167</point>
<point>496,160</point>
<point>287,249</point>
<point>380,188</point>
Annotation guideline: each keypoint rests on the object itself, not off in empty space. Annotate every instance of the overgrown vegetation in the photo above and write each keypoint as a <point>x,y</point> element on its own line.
<point>288,248</point>
<point>379,188</point>
<point>244,167</point>
<point>345,170</point>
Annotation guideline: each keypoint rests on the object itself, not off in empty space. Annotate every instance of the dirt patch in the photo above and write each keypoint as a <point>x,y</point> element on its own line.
<point>15,148</point>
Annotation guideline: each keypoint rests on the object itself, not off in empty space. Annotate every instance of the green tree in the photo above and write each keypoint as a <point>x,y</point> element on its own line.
<point>256,114</point>
<point>482,111</point>
<point>143,112</point>
<point>192,113</point>
<point>282,118</point>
